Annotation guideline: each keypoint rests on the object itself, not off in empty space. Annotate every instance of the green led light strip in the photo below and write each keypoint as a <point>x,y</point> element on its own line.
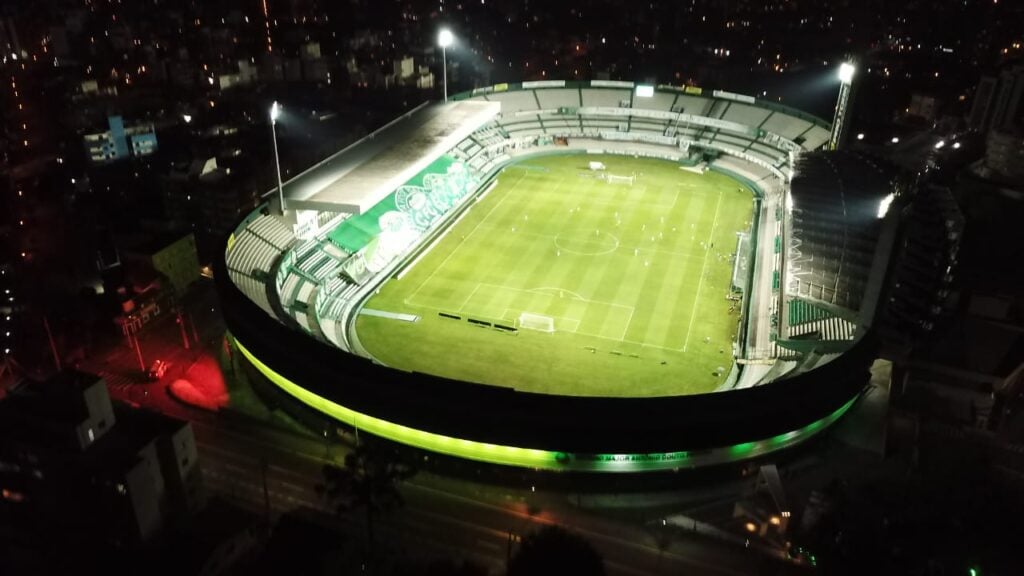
<point>533,458</point>
<point>426,440</point>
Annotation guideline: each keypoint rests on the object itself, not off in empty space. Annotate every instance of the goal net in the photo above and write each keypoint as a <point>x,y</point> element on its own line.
<point>616,179</point>
<point>536,322</point>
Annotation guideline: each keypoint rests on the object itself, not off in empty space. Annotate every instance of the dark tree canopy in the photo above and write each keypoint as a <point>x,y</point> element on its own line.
<point>440,567</point>
<point>555,551</point>
<point>369,480</point>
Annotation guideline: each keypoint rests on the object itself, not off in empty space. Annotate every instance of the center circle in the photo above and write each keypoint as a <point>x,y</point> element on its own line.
<point>587,243</point>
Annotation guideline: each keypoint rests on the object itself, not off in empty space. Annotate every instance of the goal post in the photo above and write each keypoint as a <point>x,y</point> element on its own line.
<point>617,179</point>
<point>536,322</point>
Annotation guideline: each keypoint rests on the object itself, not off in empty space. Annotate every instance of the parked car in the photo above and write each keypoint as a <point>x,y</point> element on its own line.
<point>158,369</point>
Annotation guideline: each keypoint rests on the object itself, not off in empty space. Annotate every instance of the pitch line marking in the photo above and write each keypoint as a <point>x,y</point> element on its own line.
<point>581,241</point>
<point>542,289</point>
<point>574,330</point>
<point>625,328</point>
<point>700,283</point>
<point>412,297</point>
<point>470,297</point>
<point>642,248</point>
<point>578,321</point>
<point>483,223</point>
<point>675,199</point>
<point>531,290</point>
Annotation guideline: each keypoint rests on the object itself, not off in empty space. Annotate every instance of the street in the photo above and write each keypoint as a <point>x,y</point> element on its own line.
<point>443,514</point>
<point>248,462</point>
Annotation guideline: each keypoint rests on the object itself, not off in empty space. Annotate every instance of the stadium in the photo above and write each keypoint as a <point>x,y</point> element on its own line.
<point>579,276</point>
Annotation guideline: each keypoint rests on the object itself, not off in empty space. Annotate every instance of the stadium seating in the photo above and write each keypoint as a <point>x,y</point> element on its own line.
<point>609,98</point>
<point>314,291</point>
<point>758,175</point>
<point>768,121</point>
<point>289,290</point>
<point>251,255</point>
<point>253,288</point>
<point>512,102</point>
<point>272,230</point>
<point>660,101</point>
<point>835,227</point>
<point>745,114</point>
<point>251,258</point>
<point>318,265</point>
<point>558,98</point>
<point>786,126</point>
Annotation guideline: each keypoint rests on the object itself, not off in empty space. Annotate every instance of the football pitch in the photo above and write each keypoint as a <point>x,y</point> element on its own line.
<point>625,284</point>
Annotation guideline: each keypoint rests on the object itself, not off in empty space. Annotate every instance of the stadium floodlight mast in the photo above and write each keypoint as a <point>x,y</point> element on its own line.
<point>275,112</point>
<point>846,73</point>
<point>445,38</point>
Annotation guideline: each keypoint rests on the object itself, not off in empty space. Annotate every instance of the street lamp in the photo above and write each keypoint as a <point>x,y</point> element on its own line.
<point>275,111</point>
<point>444,40</point>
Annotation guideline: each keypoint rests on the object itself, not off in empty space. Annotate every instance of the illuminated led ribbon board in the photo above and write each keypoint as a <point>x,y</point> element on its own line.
<point>536,458</point>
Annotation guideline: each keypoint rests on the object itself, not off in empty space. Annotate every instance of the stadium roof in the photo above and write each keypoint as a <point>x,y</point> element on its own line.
<point>358,177</point>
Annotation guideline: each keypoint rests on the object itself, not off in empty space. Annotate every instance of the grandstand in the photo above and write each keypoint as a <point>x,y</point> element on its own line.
<point>837,205</point>
<point>372,211</point>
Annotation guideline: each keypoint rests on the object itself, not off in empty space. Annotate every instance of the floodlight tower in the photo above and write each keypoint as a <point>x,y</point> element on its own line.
<point>275,111</point>
<point>445,39</point>
<point>846,72</point>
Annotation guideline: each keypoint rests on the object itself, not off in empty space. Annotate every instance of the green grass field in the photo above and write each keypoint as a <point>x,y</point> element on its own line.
<point>635,278</point>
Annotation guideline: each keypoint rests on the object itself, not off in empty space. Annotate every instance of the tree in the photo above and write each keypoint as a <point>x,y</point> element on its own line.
<point>369,480</point>
<point>555,551</point>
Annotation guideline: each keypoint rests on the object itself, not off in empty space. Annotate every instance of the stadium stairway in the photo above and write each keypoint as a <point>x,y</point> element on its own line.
<point>312,322</point>
<point>806,318</point>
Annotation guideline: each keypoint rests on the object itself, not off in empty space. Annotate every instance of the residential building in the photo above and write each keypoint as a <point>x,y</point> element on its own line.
<point>119,141</point>
<point>74,465</point>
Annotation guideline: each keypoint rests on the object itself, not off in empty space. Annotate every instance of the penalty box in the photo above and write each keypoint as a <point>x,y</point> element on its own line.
<point>571,312</point>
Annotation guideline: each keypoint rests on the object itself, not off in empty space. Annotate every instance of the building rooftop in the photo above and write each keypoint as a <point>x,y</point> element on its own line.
<point>118,450</point>
<point>45,413</point>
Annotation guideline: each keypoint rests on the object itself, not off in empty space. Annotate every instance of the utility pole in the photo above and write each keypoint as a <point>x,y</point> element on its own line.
<point>134,339</point>
<point>264,465</point>
<point>181,327</point>
<point>53,345</point>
